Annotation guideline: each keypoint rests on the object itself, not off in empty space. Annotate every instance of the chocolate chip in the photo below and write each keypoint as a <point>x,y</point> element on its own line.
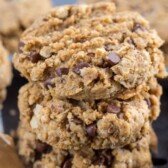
<point>67,163</point>
<point>138,27</point>
<point>113,58</point>
<point>49,82</point>
<point>91,54</point>
<point>62,71</point>
<point>80,66</point>
<point>43,147</point>
<point>35,57</point>
<point>107,47</point>
<point>148,102</point>
<point>112,108</point>
<point>20,46</point>
<point>100,160</point>
<point>104,157</point>
<point>77,120</point>
<point>74,102</point>
<point>91,130</point>
<point>108,156</point>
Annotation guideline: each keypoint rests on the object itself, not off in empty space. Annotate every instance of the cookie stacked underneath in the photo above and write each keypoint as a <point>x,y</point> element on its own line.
<point>92,93</point>
<point>16,16</point>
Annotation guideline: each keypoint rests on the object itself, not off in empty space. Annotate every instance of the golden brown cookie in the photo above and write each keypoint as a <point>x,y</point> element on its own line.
<point>100,124</point>
<point>39,154</point>
<point>90,52</point>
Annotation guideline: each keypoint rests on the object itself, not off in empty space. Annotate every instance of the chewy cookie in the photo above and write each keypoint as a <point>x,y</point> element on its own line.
<point>100,124</point>
<point>90,52</point>
<point>37,154</point>
<point>156,11</point>
<point>5,72</point>
<point>16,16</point>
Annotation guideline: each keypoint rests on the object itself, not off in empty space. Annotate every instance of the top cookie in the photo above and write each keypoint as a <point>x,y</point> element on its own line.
<point>156,11</point>
<point>16,16</point>
<point>90,51</point>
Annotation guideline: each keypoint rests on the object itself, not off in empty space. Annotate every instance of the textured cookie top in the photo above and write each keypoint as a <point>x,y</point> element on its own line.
<point>90,46</point>
<point>156,11</point>
<point>5,68</point>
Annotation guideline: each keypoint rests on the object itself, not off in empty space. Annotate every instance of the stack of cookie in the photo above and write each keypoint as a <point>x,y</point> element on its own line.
<point>92,93</point>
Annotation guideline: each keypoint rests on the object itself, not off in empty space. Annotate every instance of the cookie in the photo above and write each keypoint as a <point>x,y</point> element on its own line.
<point>90,52</point>
<point>71,124</point>
<point>155,11</point>
<point>16,16</point>
<point>39,154</point>
<point>6,72</point>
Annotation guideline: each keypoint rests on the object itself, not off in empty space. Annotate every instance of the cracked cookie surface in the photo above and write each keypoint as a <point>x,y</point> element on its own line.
<point>155,11</point>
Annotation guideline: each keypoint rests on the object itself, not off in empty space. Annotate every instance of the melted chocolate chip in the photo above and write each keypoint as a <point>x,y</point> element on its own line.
<point>112,108</point>
<point>148,102</point>
<point>138,27</point>
<point>35,57</point>
<point>108,156</point>
<point>106,64</point>
<point>77,120</point>
<point>113,58</point>
<point>67,163</point>
<point>20,46</point>
<point>91,130</point>
<point>80,66</point>
<point>62,71</point>
<point>49,82</point>
<point>104,157</point>
<point>43,147</point>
